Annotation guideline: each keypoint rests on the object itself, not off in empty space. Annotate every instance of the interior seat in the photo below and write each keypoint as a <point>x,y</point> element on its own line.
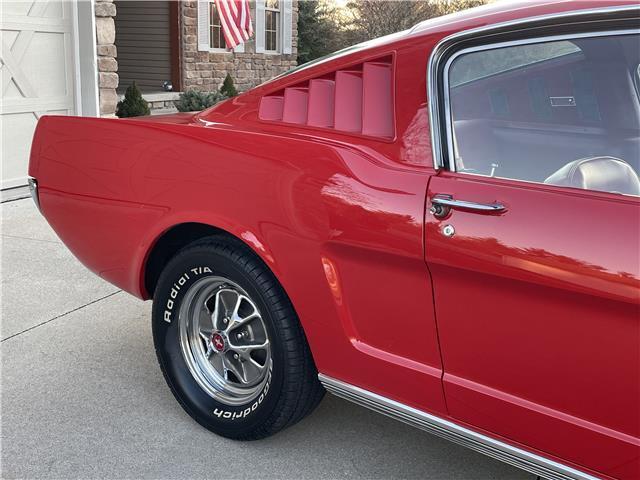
<point>606,174</point>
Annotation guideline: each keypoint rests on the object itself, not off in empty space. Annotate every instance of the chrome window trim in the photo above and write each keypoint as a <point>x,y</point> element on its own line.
<point>451,431</point>
<point>444,46</point>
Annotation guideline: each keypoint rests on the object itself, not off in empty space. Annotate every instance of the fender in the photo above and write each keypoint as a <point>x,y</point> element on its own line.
<point>250,237</point>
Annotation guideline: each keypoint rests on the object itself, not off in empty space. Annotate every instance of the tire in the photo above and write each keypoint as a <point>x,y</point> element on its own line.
<point>229,342</point>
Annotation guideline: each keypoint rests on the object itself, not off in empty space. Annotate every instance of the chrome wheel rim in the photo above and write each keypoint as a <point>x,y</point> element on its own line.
<point>224,340</point>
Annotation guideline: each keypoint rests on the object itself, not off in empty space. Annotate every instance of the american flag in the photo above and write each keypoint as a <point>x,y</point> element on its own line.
<point>235,19</point>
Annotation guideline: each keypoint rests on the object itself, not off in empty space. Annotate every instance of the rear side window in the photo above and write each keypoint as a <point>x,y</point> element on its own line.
<point>563,112</point>
<point>491,62</point>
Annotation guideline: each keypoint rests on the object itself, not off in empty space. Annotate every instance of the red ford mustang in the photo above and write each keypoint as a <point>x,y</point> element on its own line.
<point>442,225</point>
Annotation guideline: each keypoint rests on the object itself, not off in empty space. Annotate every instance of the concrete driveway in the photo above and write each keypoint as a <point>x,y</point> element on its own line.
<point>82,396</point>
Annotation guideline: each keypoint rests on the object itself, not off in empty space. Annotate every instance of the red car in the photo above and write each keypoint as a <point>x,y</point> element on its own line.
<point>442,225</point>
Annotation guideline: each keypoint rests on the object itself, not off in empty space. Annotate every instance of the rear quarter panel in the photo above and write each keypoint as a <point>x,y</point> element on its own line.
<point>327,216</point>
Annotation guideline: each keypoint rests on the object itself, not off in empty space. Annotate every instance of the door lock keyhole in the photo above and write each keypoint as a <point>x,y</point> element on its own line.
<point>448,230</point>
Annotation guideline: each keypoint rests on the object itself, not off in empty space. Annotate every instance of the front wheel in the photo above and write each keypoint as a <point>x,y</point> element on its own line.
<point>230,344</point>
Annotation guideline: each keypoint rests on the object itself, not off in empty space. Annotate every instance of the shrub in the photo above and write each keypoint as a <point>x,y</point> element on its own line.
<point>133,105</point>
<point>193,100</point>
<point>228,89</point>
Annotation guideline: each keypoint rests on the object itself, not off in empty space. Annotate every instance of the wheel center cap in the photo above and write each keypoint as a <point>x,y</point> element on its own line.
<point>217,341</point>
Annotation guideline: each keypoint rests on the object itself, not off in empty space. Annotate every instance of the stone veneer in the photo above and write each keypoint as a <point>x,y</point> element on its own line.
<point>105,11</point>
<point>206,70</point>
<point>200,70</point>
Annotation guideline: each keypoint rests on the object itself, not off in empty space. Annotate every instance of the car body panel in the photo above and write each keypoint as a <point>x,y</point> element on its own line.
<point>327,224</point>
<point>549,318</point>
<point>339,218</point>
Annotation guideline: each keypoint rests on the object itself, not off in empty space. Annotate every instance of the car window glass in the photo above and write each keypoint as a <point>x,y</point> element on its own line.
<point>563,113</point>
<point>490,62</point>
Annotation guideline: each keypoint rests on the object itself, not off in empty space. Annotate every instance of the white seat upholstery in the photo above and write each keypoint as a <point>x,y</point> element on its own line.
<point>606,174</point>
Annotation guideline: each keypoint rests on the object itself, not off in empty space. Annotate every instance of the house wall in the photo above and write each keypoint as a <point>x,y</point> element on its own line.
<point>199,70</point>
<point>206,70</point>
<point>105,11</point>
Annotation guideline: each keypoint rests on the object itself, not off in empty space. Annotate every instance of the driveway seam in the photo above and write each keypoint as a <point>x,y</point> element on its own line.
<point>32,239</point>
<point>60,316</point>
<point>19,196</point>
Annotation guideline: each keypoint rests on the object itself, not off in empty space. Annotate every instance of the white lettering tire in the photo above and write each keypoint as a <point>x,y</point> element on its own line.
<point>229,342</point>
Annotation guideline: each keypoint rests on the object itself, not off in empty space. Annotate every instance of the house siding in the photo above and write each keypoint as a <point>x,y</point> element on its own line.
<point>144,44</point>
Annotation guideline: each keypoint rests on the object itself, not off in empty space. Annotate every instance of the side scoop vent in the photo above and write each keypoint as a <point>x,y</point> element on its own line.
<point>356,100</point>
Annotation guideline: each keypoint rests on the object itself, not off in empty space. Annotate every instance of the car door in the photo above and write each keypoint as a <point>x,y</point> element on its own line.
<point>533,243</point>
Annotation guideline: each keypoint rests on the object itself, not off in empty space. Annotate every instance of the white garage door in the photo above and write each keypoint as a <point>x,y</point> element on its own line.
<point>38,75</point>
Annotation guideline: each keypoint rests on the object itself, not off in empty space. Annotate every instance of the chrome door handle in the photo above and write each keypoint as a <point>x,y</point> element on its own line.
<point>441,204</point>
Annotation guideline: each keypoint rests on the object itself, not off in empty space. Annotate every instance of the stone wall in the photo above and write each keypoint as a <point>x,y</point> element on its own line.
<point>206,70</point>
<point>161,103</point>
<point>200,70</point>
<point>105,11</point>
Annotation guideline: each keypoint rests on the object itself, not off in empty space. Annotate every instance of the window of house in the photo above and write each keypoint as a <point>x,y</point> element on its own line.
<point>272,25</point>
<point>559,112</point>
<point>216,35</point>
<point>272,20</point>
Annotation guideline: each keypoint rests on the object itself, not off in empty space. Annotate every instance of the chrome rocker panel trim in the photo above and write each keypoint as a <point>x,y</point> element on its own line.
<point>491,447</point>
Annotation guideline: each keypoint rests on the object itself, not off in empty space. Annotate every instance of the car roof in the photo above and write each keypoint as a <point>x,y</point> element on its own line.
<point>505,11</point>
<point>491,14</point>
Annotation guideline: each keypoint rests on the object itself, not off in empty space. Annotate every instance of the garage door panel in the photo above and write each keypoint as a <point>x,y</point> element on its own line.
<point>11,91</point>
<point>47,52</point>
<point>9,37</point>
<point>52,9</point>
<point>18,9</point>
<point>18,129</point>
<point>41,8</point>
<point>37,76</point>
<point>30,105</point>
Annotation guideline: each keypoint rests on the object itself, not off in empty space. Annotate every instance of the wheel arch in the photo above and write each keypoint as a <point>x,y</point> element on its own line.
<point>170,242</point>
<point>172,239</point>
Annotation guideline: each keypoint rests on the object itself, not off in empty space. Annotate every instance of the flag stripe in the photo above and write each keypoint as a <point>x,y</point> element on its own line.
<point>230,28</point>
<point>245,22</point>
<point>234,7</point>
<point>235,20</point>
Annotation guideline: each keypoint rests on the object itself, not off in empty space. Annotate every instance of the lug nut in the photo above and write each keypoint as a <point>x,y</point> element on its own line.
<point>236,356</point>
